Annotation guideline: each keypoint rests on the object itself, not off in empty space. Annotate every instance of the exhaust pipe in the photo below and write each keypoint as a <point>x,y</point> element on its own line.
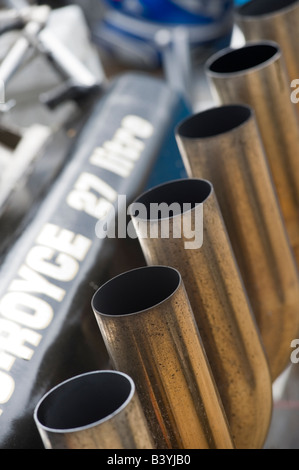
<point>255,75</point>
<point>223,145</point>
<point>149,330</point>
<point>277,20</point>
<point>95,410</point>
<point>54,267</point>
<point>218,300</point>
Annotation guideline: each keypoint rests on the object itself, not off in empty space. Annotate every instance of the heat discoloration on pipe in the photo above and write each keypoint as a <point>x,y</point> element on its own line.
<point>223,145</point>
<point>149,329</point>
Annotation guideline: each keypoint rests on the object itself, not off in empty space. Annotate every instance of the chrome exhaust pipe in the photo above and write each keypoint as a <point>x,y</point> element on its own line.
<point>256,75</point>
<point>149,330</point>
<point>95,410</point>
<point>223,145</point>
<point>218,300</point>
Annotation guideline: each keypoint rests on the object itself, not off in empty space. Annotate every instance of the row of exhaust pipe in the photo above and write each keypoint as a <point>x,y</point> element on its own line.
<point>197,337</point>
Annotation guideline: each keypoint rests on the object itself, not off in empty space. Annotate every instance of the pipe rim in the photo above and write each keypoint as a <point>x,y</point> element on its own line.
<point>109,286</point>
<point>228,53</point>
<point>199,126</point>
<point>46,397</point>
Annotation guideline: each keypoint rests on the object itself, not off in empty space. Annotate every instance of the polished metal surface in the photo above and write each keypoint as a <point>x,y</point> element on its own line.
<point>217,296</point>
<point>95,410</point>
<point>255,75</point>
<point>277,20</point>
<point>223,145</point>
<point>150,333</point>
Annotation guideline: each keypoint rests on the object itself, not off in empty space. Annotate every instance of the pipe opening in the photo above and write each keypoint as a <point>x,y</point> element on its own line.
<point>245,58</point>
<point>136,290</point>
<point>214,121</point>
<point>264,7</point>
<point>84,400</point>
<point>175,194</point>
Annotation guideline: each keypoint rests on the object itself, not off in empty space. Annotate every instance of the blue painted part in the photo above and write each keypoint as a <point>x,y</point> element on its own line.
<point>129,31</point>
<point>241,2</point>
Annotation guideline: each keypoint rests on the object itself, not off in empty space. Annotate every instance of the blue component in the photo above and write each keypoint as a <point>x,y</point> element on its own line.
<point>128,28</point>
<point>174,11</point>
